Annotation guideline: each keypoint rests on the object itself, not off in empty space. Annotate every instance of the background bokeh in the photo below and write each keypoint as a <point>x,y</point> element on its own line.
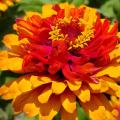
<point>107,8</point>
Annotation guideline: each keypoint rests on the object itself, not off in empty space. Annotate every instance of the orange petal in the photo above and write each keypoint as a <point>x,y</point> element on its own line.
<point>115,53</point>
<point>89,15</point>
<point>47,10</point>
<point>24,85</point>
<point>14,44</point>
<point>3,60</point>
<point>114,88</point>
<point>102,86</point>
<point>58,87</point>
<point>3,54</point>
<point>50,109</point>
<point>31,110</point>
<point>28,97</point>
<point>23,99</point>
<point>45,95</point>
<point>4,89</point>
<point>74,86</point>
<point>45,79</point>
<point>67,8</point>
<point>3,7</point>
<point>68,100</point>
<point>113,70</point>
<point>17,66</point>
<point>35,81</point>
<point>101,114</point>
<point>83,94</point>
<point>68,116</point>
<point>10,39</point>
<point>11,92</point>
<point>14,88</point>
<point>30,14</point>
<point>6,62</point>
<point>96,101</point>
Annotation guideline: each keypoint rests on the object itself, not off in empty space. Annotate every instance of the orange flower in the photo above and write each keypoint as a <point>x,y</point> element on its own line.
<point>67,54</point>
<point>4,4</point>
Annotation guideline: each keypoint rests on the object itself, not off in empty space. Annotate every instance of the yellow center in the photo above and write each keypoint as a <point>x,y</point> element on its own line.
<point>81,41</point>
<point>55,34</point>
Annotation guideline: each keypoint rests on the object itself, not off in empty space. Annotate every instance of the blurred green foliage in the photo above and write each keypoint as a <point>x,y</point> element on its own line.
<point>108,8</point>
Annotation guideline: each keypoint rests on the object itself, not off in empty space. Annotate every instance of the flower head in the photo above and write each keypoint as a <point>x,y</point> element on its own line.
<point>67,54</point>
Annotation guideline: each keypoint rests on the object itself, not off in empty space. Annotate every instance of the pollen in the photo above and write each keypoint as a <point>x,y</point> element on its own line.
<point>80,41</point>
<point>55,34</point>
<point>85,36</point>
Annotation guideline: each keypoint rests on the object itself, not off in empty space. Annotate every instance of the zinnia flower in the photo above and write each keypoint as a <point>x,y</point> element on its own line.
<point>66,54</point>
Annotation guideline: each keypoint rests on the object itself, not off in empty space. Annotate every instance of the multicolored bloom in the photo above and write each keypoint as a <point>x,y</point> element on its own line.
<point>66,54</point>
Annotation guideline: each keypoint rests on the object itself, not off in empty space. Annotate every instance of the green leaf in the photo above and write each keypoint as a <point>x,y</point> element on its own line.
<point>69,1</point>
<point>36,5</point>
<point>29,5</point>
<point>9,111</point>
<point>24,117</point>
<point>96,3</point>
<point>30,1</point>
<point>116,7</point>
<point>78,2</point>
<point>50,1</point>
<point>3,115</point>
<point>7,76</point>
<point>63,1</point>
<point>57,117</point>
<point>107,9</point>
